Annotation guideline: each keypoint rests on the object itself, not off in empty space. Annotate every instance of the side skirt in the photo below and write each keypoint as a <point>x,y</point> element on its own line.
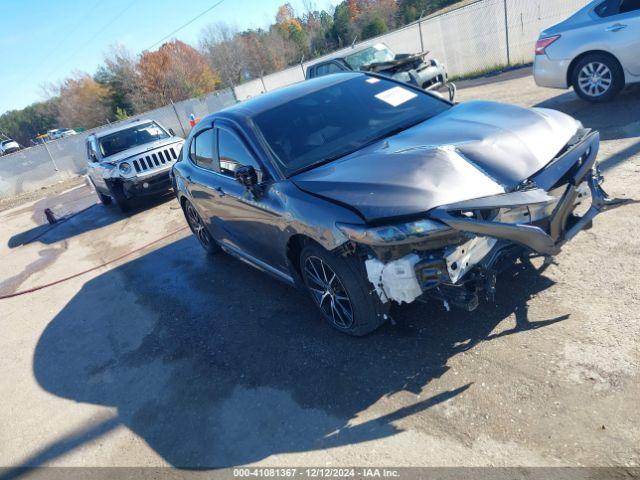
<point>259,264</point>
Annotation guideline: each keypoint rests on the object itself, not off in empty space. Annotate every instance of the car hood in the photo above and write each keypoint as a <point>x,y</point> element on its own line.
<point>139,150</point>
<point>472,150</point>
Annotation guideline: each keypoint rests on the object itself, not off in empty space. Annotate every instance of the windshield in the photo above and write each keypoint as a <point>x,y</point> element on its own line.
<point>377,54</point>
<point>341,118</point>
<point>131,137</point>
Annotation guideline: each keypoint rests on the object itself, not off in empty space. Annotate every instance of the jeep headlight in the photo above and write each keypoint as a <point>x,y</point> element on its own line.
<point>125,168</point>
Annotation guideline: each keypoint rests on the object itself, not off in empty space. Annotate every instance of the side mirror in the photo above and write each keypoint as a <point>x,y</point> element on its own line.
<point>173,134</point>
<point>246,175</point>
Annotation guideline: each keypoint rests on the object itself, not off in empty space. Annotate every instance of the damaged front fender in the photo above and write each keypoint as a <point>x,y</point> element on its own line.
<point>491,231</point>
<point>562,224</point>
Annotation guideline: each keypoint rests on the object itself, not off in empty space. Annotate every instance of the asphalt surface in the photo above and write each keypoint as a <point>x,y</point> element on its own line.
<point>170,358</point>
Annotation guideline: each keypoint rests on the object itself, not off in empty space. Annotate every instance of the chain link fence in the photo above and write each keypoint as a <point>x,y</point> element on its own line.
<point>480,36</point>
<point>477,37</point>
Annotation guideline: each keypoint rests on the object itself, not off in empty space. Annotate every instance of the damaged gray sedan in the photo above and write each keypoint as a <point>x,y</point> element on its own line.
<point>364,191</point>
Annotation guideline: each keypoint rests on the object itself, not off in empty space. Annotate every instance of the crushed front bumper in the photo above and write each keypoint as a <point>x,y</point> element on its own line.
<point>572,169</point>
<point>152,185</point>
<point>497,232</point>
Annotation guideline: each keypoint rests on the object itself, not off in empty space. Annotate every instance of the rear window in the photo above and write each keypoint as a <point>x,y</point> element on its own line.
<point>341,118</point>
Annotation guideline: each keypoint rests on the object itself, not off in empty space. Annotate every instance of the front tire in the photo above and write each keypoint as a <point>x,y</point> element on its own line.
<point>117,194</point>
<point>104,199</point>
<point>597,78</point>
<point>338,287</point>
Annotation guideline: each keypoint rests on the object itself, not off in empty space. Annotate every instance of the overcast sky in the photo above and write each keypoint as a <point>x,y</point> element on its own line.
<point>43,41</point>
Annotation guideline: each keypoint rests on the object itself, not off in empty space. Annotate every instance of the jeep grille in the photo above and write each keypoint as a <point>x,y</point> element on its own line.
<point>155,159</point>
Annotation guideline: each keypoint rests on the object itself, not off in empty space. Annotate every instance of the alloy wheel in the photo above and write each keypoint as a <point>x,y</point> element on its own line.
<point>328,292</point>
<point>198,227</point>
<point>595,79</point>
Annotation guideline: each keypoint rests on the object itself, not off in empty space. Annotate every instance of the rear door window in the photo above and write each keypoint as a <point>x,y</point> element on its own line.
<point>617,7</point>
<point>607,8</point>
<point>629,6</point>
<point>328,68</point>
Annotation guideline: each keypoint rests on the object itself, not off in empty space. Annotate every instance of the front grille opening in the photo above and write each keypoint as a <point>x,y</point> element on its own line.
<point>480,214</point>
<point>155,160</point>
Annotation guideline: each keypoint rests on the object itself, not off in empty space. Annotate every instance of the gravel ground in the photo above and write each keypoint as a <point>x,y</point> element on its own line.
<point>170,358</point>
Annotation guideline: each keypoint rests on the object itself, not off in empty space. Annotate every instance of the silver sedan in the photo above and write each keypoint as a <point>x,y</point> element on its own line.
<point>596,50</point>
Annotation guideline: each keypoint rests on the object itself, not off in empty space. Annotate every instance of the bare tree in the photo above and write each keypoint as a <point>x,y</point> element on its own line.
<point>225,52</point>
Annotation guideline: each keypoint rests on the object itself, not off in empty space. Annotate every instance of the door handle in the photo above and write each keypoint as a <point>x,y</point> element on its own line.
<point>220,191</point>
<point>616,27</point>
<point>188,177</point>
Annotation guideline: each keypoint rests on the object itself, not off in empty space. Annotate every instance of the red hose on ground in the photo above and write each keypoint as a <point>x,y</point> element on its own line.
<point>104,264</point>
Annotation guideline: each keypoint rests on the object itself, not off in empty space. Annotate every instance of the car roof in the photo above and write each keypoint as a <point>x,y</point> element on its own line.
<point>254,106</point>
<point>122,126</point>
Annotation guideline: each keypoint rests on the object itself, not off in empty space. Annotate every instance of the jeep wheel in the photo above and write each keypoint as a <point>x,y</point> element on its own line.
<point>341,291</point>
<point>104,199</point>
<point>121,200</point>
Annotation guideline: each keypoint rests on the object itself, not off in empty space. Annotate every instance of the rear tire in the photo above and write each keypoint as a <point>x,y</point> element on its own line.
<point>340,290</point>
<point>597,78</point>
<point>199,229</point>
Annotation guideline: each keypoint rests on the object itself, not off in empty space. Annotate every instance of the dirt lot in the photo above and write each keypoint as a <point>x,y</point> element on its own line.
<point>168,358</point>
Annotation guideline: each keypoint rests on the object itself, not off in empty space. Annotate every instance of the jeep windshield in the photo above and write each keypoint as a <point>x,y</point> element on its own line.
<point>377,54</point>
<point>131,137</point>
<point>342,118</point>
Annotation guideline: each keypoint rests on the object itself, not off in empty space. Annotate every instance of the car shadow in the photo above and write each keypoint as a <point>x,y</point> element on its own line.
<point>617,119</point>
<point>76,215</point>
<point>213,364</point>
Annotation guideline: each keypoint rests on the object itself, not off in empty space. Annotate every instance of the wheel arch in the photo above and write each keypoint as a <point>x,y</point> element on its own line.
<point>182,199</point>
<point>575,61</point>
<point>294,247</point>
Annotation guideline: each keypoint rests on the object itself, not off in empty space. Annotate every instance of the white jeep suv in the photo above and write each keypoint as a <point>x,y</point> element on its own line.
<point>131,160</point>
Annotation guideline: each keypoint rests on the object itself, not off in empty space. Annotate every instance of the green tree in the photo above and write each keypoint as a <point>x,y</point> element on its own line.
<point>119,75</point>
<point>25,124</point>
<point>374,27</point>
<point>121,114</point>
<point>410,10</point>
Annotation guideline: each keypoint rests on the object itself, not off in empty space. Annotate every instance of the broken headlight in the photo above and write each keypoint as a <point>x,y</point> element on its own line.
<point>393,234</point>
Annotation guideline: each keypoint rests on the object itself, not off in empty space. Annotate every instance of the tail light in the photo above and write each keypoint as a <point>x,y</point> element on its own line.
<point>543,43</point>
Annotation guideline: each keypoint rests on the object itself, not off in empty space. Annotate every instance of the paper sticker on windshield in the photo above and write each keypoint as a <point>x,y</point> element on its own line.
<point>379,46</point>
<point>396,96</point>
<point>372,80</point>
